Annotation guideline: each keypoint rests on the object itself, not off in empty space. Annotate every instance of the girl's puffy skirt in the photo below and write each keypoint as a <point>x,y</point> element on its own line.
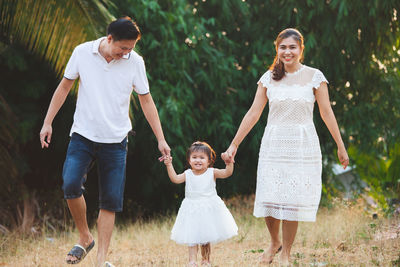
<point>203,220</point>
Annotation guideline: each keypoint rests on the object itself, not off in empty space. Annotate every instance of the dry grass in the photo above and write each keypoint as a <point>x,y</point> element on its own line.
<point>343,236</point>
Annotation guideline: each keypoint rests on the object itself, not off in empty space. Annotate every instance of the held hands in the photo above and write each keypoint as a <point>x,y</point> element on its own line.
<point>343,157</point>
<point>45,135</point>
<point>229,155</point>
<point>167,160</point>
<point>164,149</point>
<point>225,158</point>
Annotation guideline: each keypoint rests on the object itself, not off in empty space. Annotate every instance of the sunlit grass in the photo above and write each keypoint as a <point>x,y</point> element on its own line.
<point>345,235</point>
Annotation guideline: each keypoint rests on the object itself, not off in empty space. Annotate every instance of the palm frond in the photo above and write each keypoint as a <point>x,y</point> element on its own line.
<point>52,28</point>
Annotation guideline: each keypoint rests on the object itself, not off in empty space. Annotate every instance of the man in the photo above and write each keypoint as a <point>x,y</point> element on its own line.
<point>108,71</point>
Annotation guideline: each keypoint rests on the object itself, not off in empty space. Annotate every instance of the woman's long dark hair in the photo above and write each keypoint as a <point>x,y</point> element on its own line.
<point>278,68</point>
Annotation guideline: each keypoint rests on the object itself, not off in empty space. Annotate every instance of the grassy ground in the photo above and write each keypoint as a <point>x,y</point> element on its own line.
<point>345,235</point>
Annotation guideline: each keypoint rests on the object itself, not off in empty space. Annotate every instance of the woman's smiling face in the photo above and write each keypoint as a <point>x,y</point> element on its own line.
<point>289,51</point>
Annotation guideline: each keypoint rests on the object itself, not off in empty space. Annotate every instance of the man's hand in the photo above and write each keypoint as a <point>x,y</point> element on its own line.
<point>45,135</point>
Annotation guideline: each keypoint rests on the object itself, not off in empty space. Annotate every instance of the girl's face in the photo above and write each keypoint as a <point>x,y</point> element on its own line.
<point>199,161</point>
<point>289,51</point>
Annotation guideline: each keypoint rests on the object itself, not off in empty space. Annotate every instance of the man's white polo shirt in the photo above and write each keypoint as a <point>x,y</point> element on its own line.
<point>102,107</point>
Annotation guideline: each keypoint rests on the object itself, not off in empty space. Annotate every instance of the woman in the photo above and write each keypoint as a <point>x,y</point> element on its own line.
<point>289,166</point>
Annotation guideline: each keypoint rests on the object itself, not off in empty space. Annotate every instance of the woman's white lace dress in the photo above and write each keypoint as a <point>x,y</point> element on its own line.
<point>203,217</point>
<point>289,165</point>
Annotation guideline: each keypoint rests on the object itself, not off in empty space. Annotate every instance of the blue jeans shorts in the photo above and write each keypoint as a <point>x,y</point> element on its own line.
<point>111,163</point>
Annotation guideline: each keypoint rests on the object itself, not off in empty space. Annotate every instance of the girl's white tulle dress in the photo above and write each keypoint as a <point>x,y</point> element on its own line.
<point>203,217</point>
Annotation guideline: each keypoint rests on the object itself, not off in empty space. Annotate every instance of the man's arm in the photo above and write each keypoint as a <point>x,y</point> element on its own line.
<point>56,102</point>
<point>151,114</point>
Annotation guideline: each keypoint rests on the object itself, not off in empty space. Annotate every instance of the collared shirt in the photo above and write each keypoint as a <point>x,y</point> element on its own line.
<point>102,107</point>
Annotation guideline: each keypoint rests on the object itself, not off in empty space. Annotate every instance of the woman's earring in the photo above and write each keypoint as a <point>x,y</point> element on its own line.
<point>277,61</point>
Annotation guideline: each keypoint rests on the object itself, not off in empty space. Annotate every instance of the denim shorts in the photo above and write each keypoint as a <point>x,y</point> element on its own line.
<point>111,163</point>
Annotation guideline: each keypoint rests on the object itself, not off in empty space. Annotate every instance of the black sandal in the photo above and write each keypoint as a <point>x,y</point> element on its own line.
<point>79,253</point>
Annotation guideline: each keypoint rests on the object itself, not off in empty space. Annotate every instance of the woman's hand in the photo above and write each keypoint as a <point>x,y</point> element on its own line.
<point>343,157</point>
<point>164,149</point>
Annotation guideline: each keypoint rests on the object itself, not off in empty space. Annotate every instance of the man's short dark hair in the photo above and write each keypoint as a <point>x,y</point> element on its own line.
<point>124,29</point>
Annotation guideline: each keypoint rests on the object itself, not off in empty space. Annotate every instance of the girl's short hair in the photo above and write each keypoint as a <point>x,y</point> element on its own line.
<point>124,29</point>
<point>200,146</point>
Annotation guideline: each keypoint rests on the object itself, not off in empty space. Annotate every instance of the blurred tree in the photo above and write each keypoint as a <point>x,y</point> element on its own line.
<point>382,175</point>
<point>52,28</point>
<point>205,57</point>
<point>356,44</point>
<point>203,60</point>
<point>33,35</point>
<point>190,78</point>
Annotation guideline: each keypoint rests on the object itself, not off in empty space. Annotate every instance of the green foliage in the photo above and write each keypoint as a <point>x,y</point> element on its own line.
<point>205,57</point>
<point>382,173</point>
<point>254,251</point>
<point>203,60</point>
<point>348,48</point>
<point>7,149</point>
<point>24,167</point>
<point>33,36</point>
<point>191,80</point>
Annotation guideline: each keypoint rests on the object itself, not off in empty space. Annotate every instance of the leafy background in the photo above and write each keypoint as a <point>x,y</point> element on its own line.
<point>203,61</point>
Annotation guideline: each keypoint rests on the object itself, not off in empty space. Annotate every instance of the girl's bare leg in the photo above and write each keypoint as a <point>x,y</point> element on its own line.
<point>193,255</point>
<point>205,254</point>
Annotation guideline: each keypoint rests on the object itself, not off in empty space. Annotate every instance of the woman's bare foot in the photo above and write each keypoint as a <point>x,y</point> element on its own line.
<point>269,254</point>
<point>284,260</point>
<point>206,263</point>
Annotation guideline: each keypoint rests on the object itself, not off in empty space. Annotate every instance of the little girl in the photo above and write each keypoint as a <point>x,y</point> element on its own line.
<point>203,217</point>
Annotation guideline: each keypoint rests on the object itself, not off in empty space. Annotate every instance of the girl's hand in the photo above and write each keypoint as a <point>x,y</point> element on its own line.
<point>167,160</point>
<point>229,155</point>
<point>343,157</point>
<point>225,158</point>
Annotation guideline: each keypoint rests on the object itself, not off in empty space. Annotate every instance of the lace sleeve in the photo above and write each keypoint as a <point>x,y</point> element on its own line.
<point>318,78</point>
<point>265,79</point>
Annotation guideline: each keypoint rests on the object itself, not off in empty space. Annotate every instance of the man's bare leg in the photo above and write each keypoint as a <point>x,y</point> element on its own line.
<point>77,207</point>
<point>105,225</point>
